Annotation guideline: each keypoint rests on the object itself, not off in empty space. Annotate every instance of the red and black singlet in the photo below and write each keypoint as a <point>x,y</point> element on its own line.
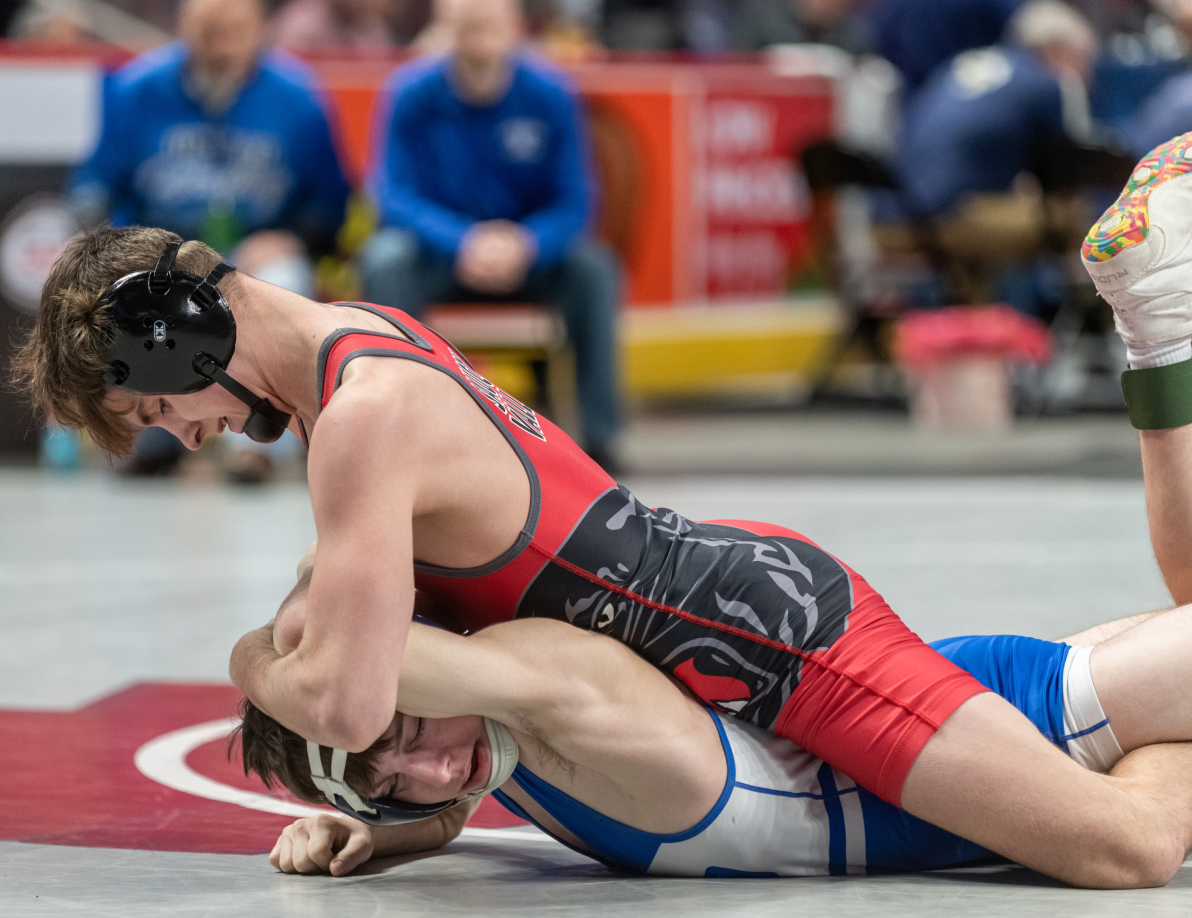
<point>752,617</point>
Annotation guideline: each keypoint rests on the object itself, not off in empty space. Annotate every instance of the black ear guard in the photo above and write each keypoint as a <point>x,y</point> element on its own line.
<point>175,334</point>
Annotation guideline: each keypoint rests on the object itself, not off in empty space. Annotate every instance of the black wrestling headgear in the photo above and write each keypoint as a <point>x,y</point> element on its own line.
<point>175,335</point>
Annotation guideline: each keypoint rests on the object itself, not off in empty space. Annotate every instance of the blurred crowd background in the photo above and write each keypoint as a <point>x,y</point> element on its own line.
<point>620,203</point>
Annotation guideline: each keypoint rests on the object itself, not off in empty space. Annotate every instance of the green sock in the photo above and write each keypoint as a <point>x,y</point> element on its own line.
<point>1159,398</point>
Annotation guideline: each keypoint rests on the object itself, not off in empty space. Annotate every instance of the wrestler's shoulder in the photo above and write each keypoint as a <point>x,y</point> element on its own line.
<point>375,389</point>
<point>393,405</point>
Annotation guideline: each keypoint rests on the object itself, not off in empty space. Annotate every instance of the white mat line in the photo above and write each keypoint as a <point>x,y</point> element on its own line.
<point>164,760</point>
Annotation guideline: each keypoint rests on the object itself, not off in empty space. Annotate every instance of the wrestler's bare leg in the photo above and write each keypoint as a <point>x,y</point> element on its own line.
<point>1167,474</point>
<point>1099,634</point>
<point>990,776</point>
<point>987,774</point>
<point>1143,677</point>
<point>1167,471</point>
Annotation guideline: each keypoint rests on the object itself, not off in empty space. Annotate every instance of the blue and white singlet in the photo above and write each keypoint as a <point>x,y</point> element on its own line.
<point>784,812</point>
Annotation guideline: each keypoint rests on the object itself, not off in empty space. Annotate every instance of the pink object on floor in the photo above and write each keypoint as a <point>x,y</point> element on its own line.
<point>926,338</point>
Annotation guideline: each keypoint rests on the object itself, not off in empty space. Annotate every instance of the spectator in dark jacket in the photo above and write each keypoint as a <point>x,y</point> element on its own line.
<point>976,123</point>
<point>1167,112</point>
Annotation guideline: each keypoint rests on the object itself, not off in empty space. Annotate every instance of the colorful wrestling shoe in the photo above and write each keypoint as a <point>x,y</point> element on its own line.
<point>1139,253</point>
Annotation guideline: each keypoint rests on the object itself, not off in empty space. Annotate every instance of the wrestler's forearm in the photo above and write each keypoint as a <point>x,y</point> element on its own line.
<point>309,691</point>
<point>1167,471</point>
<point>307,562</point>
<point>1162,773</point>
<point>290,621</point>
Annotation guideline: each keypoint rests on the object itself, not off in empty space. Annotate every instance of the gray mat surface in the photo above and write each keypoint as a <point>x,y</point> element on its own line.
<point>471,878</point>
<point>104,582</point>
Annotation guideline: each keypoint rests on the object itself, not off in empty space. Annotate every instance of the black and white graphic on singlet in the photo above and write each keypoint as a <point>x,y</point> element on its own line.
<point>772,587</point>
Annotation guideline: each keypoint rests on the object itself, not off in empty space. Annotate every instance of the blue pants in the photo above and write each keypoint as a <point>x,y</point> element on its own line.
<point>584,285</point>
<point>1028,673</point>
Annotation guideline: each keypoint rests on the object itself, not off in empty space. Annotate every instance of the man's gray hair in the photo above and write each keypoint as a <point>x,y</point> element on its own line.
<point>1041,23</point>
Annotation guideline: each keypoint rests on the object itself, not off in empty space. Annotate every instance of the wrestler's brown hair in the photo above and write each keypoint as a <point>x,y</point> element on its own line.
<point>277,755</point>
<point>60,365</point>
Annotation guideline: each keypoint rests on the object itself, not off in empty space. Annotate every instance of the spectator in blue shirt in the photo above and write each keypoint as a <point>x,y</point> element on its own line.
<point>484,182</point>
<point>212,138</point>
<point>975,125</point>
<point>1165,114</point>
<point>218,140</point>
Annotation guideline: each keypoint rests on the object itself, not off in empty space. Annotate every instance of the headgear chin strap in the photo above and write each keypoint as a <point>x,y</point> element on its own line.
<point>386,811</point>
<point>175,334</point>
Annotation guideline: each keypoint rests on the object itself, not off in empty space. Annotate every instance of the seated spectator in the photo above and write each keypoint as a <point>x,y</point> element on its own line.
<point>975,125</point>
<point>917,36</point>
<point>435,35</point>
<point>484,184</point>
<point>216,139</point>
<point>357,25</point>
<point>970,133</point>
<point>761,23</point>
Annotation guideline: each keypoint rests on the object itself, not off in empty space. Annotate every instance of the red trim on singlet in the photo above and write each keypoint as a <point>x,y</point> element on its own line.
<point>568,482</point>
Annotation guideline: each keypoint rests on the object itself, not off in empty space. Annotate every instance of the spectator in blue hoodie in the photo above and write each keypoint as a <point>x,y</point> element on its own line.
<point>484,182</point>
<point>212,136</point>
<point>216,139</point>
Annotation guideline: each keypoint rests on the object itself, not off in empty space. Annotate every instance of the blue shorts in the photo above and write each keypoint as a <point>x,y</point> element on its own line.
<point>1028,673</point>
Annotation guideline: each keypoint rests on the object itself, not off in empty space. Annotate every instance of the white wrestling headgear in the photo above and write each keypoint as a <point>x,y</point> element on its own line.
<point>385,811</point>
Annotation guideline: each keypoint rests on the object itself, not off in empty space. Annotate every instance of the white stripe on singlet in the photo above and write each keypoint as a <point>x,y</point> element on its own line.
<point>1087,732</point>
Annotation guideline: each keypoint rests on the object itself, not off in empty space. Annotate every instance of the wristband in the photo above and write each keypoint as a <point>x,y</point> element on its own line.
<point>1159,398</point>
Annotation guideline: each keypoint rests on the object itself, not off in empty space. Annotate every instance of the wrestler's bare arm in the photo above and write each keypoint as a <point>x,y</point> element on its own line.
<point>401,456</point>
<point>649,755</point>
<point>588,699</point>
<point>339,685</point>
<point>1167,471</point>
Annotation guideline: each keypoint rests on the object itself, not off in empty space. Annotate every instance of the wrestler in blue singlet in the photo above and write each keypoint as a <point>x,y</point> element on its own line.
<point>783,812</point>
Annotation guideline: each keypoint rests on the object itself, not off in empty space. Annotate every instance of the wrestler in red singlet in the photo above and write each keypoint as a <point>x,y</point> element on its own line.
<point>752,617</point>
